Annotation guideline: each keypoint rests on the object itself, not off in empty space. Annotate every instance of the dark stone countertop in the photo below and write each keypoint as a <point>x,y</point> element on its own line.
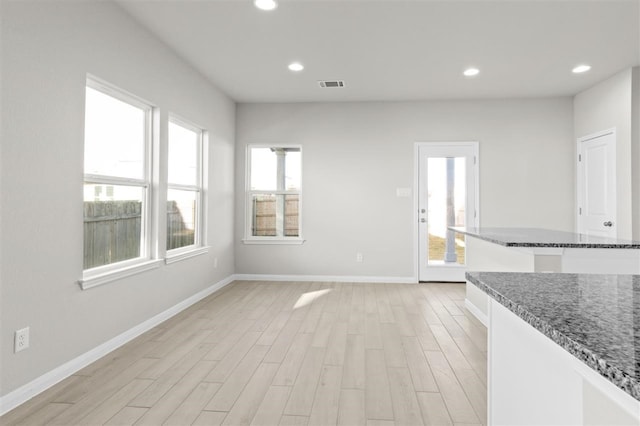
<point>537,237</point>
<point>596,318</point>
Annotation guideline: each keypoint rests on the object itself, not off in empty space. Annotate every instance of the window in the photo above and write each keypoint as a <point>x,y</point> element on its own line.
<point>117,144</point>
<point>273,194</point>
<point>184,188</point>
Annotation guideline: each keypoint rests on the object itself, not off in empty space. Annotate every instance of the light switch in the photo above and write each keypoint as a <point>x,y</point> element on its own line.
<point>403,192</point>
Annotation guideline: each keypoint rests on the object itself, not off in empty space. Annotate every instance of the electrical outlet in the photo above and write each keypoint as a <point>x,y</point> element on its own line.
<point>21,341</point>
<point>359,257</point>
<point>215,262</point>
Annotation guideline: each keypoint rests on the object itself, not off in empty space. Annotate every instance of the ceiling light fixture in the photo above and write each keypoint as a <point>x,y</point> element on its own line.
<point>471,72</point>
<point>265,4</point>
<point>296,66</point>
<point>581,68</point>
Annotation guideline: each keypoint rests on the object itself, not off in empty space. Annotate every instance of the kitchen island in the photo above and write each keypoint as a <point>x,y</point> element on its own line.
<point>563,348</point>
<point>542,250</point>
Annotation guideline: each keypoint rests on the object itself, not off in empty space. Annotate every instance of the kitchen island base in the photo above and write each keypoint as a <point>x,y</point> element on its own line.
<point>533,381</point>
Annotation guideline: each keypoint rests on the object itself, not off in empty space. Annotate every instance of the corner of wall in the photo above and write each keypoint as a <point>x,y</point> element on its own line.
<point>635,150</point>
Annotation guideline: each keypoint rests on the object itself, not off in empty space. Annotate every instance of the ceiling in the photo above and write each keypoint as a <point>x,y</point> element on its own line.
<point>389,50</point>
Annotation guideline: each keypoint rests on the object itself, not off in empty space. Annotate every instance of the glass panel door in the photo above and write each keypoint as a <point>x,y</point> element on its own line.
<point>447,197</point>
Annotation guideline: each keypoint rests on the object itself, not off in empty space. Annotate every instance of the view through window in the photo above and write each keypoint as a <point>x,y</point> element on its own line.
<point>274,192</point>
<point>184,190</point>
<point>116,177</point>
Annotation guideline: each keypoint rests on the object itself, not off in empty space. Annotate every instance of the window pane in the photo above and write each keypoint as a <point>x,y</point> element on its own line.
<point>265,163</point>
<point>291,215</point>
<point>264,169</point>
<point>114,137</point>
<point>112,223</point>
<point>275,215</point>
<point>183,155</point>
<point>447,195</point>
<point>264,215</point>
<point>292,170</point>
<point>181,218</point>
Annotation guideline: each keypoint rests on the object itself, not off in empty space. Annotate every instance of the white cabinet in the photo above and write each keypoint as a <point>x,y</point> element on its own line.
<point>533,381</point>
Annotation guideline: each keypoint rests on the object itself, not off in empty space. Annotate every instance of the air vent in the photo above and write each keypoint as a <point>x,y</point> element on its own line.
<point>331,83</point>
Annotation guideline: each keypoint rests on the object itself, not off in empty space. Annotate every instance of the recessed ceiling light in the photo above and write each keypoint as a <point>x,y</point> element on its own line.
<point>265,4</point>
<point>470,72</point>
<point>296,66</point>
<point>581,68</point>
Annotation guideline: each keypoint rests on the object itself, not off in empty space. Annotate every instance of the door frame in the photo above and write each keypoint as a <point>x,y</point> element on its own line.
<point>579,173</point>
<point>475,145</point>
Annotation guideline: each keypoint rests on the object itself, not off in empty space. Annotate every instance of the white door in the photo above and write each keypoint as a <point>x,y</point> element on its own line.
<point>597,184</point>
<point>447,196</point>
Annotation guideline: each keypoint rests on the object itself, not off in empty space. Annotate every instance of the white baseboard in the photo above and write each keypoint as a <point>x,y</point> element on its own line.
<point>42,383</point>
<point>326,278</point>
<point>484,319</point>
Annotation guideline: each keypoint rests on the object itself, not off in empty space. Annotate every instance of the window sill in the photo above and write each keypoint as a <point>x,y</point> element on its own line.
<point>106,277</point>
<point>289,241</point>
<point>182,255</point>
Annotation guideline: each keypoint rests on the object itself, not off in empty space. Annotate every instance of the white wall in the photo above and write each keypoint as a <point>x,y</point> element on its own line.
<point>47,50</point>
<point>355,156</point>
<point>604,106</point>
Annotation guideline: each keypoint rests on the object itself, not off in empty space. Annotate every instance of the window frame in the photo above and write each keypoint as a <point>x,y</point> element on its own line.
<point>249,193</point>
<point>200,244</point>
<point>105,273</point>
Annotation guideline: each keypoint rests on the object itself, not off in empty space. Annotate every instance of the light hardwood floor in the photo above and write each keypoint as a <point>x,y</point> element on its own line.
<point>289,353</point>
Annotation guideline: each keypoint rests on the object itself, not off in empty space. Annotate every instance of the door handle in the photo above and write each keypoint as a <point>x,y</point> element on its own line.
<point>423,220</point>
<point>608,223</point>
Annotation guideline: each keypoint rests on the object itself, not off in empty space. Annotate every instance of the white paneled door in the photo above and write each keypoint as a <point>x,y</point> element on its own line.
<point>447,196</point>
<point>597,184</point>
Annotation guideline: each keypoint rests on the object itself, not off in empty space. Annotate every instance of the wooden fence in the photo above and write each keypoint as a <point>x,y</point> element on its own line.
<point>264,219</point>
<point>112,231</point>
